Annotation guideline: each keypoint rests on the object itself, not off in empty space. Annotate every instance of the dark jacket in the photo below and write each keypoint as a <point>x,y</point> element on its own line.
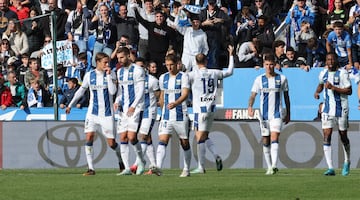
<point>69,95</point>
<point>61,18</point>
<point>160,36</point>
<point>126,26</point>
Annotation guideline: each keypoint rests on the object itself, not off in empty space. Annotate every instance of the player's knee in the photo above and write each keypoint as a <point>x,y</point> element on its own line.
<point>185,145</point>
<point>89,143</point>
<point>201,141</point>
<point>163,143</point>
<point>134,141</point>
<point>114,145</point>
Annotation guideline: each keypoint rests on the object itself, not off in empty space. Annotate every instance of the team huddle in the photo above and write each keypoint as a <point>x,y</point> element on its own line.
<point>136,95</point>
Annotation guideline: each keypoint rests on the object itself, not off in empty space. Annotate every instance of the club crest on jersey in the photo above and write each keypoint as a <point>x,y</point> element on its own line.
<point>178,82</point>
<point>336,80</point>
<point>277,82</point>
<point>105,81</point>
<point>131,75</point>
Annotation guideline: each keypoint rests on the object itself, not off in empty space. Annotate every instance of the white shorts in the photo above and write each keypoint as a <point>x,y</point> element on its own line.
<point>272,125</point>
<point>328,121</point>
<point>181,128</point>
<point>188,61</point>
<point>131,123</point>
<point>203,121</point>
<point>105,125</point>
<point>146,126</point>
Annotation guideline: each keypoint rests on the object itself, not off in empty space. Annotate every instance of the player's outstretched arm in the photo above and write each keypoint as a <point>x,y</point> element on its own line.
<point>230,68</point>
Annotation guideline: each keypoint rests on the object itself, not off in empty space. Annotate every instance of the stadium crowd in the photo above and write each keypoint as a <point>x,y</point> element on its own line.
<point>152,29</point>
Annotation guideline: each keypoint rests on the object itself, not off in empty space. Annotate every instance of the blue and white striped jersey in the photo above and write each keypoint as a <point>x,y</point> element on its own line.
<point>151,86</point>
<point>271,95</point>
<point>334,102</point>
<point>172,87</point>
<point>102,88</point>
<point>131,88</point>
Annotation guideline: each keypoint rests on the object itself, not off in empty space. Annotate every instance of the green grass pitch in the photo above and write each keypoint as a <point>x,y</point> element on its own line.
<point>69,184</point>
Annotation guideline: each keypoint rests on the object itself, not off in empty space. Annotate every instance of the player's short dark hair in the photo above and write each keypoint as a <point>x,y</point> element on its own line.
<point>124,50</point>
<point>269,57</point>
<point>172,57</point>
<point>100,56</point>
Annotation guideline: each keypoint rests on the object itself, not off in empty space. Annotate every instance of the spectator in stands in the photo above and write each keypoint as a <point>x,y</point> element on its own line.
<point>12,64</point>
<point>61,18</point>
<point>354,17</point>
<point>213,22</point>
<point>42,7</point>
<point>176,18</point>
<point>62,83</point>
<point>24,66</point>
<point>124,41</point>
<point>264,35</point>
<point>339,41</point>
<point>338,14</point>
<point>248,54</point>
<point>105,32</point>
<point>5,94</point>
<point>261,7</point>
<point>161,38</point>
<point>77,25</point>
<point>301,37</point>
<point>36,72</point>
<point>293,60</point>
<point>355,48</point>
<point>245,22</point>
<point>37,96</point>
<point>6,14</point>
<point>279,53</point>
<point>73,86</point>
<point>315,53</point>
<point>152,68</point>
<point>17,89</point>
<point>235,7</point>
<point>68,5</point>
<point>195,42</point>
<point>126,25</point>
<point>38,53</point>
<point>321,14</point>
<point>300,12</point>
<point>77,68</point>
<point>21,11</point>
<point>33,32</point>
<point>18,40</point>
<point>5,52</point>
<point>147,13</point>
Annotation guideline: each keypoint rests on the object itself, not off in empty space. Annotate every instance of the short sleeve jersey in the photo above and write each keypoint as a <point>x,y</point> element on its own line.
<point>271,95</point>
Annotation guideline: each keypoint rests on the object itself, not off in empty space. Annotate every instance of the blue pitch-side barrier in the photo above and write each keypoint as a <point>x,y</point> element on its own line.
<point>236,95</point>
